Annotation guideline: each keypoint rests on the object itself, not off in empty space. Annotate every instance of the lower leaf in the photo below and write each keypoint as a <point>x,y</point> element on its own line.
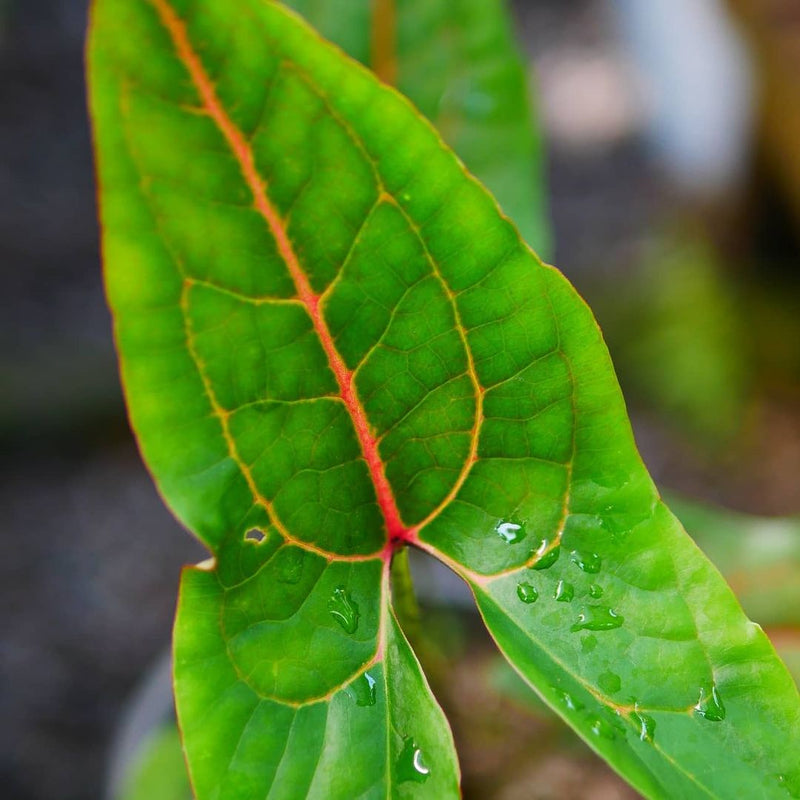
<point>377,733</point>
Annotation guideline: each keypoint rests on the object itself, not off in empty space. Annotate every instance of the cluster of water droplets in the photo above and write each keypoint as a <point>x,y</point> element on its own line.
<point>603,723</point>
<point>595,616</point>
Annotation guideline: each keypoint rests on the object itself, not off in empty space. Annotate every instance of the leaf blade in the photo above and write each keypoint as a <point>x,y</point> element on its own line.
<point>330,145</point>
<point>459,63</point>
<point>349,743</point>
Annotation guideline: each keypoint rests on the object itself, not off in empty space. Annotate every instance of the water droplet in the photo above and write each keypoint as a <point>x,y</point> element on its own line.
<point>510,532</point>
<point>588,643</point>
<point>598,618</point>
<point>567,700</point>
<point>600,727</point>
<point>344,609</point>
<point>595,591</point>
<point>588,562</point>
<point>709,705</point>
<point>646,724</point>
<point>410,763</point>
<point>290,568</point>
<point>547,558</point>
<point>362,690</point>
<point>255,535</point>
<point>564,592</point>
<point>609,682</point>
<point>527,593</point>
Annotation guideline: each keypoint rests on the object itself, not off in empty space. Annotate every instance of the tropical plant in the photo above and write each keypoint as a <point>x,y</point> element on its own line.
<point>335,345</point>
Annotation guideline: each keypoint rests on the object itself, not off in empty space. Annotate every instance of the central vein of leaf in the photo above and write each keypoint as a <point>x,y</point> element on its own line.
<point>244,155</point>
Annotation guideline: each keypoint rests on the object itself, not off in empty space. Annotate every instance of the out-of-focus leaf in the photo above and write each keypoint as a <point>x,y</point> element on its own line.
<point>159,771</point>
<point>333,345</point>
<point>458,62</point>
<point>679,339</point>
<point>760,557</point>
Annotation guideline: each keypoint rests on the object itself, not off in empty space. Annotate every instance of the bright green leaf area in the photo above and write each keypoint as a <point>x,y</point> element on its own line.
<point>331,342</point>
<point>458,62</point>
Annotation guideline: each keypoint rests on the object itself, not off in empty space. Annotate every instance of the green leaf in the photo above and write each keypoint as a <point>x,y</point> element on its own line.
<point>282,701</point>
<point>459,63</point>
<point>332,345</point>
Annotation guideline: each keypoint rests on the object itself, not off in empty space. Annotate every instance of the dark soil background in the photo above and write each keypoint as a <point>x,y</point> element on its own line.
<point>91,556</point>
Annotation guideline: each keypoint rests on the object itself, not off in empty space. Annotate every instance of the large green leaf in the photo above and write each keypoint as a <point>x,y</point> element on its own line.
<point>332,345</point>
<point>458,62</point>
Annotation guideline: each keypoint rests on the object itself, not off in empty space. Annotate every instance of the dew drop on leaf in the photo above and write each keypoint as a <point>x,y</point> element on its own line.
<point>527,593</point>
<point>362,690</point>
<point>709,705</point>
<point>410,763</point>
<point>646,725</point>
<point>344,609</point>
<point>510,532</point>
<point>588,562</point>
<point>547,557</point>
<point>595,591</point>
<point>567,700</point>
<point>564,592</point>
<point>598,618</point>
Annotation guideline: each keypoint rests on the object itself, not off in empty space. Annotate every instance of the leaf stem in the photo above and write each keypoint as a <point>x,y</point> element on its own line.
<point>404,596</point>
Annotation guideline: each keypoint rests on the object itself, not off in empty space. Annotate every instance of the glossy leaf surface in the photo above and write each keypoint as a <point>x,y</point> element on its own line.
<point>458,62</point>
<point>332,343</point>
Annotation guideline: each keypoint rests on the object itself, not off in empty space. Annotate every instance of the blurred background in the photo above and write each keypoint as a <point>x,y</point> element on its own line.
<point>672,132</point>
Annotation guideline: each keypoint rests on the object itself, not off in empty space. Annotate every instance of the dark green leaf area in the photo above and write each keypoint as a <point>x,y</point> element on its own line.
<point>305,460</point>
<point>681,695</point>
<point>240,556</point>
<point>253,352</point>
<point>200,205</point>
<point>276,611</point>
<point>351,743</point>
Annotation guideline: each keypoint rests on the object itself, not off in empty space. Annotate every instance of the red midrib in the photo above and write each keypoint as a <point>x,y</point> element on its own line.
<point>244,155</point>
